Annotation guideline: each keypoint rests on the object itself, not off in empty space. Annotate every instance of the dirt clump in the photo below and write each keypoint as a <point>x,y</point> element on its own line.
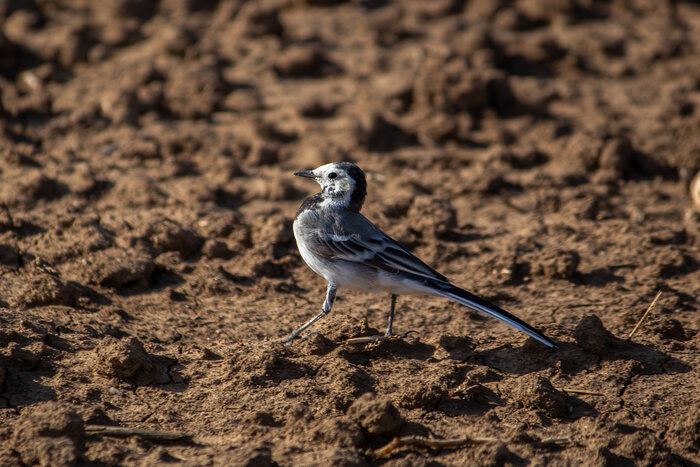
<point>376,415</point>
<point>49,434</point>
<point>539,394</point>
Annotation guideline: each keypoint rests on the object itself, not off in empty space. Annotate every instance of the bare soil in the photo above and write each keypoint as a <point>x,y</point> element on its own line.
<point>537,152</point>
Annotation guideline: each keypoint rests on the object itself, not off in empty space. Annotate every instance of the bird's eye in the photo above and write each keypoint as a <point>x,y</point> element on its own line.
<point>332,175</point>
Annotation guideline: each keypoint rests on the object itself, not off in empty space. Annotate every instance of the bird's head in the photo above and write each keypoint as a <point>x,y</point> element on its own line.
<point>343,184</point>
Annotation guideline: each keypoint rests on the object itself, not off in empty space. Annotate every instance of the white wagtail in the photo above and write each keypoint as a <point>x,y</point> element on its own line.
<point>349,251</point>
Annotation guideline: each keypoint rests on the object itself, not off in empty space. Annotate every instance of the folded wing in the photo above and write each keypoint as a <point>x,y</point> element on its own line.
<point>379,251</point>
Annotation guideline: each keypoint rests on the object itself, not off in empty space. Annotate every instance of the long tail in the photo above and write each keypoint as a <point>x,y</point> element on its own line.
<point>484,306</point>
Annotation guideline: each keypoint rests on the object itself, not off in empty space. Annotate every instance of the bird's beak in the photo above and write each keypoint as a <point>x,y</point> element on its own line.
<point>305,173</point>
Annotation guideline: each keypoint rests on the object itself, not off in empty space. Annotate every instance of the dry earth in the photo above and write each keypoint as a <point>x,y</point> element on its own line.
<point>538,152</point>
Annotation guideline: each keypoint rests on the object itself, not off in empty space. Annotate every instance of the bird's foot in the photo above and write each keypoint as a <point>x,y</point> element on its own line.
<point>306,336</point>
<point>378,339</point>
<point>288,340</point>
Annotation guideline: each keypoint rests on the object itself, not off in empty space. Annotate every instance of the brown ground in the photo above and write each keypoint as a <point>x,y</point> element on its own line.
<point>538,152</point>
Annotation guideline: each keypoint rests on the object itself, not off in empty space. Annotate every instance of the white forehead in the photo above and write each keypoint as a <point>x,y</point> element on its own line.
<point>328,168</point>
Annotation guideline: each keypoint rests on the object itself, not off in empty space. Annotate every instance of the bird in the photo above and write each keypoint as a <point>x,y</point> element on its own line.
<point>345,248</point>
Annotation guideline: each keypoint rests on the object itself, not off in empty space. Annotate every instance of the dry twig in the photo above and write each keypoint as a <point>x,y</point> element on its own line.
<point>558,440</point>
<point>421,441</point>
<point>121,432</point>
<point>644,316</point>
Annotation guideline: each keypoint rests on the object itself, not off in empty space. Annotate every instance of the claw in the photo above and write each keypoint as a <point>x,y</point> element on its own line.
<point>403,335</point>
<point>306,336</point>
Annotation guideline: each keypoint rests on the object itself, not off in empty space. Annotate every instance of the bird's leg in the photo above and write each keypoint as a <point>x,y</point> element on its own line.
<point>378,339</point>
<point>327,306</point>
<point>391,316</point>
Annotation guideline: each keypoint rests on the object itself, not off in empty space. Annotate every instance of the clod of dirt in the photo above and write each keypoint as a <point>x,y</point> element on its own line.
<point>669,237</point>
<point>597,207</point>
<point>49,434</point>
<point>338,431</point>
<point>122,359</point>
<point>272,190</point>
<point>303,61</point>
<point>25,187</point>
<point>168,235</point>
<point>82,181</point>
<point>195,88</point>
<point>27,356</point>
<point>316,344</point>
<point>376,415</point>
<point>592,335</point>
<point>95,415</point>
<point>383,133</point>
<point>266,367</point>
<point>254,456</point>
<point>452,88</point>
<point>275,237</point>
<point>434,384</point>
<point>213,248</point>
<point>260,418</point>
<point>116,268</point>
<point>483,375</point>
<point>280,127</point>
<point>454,342</point>
<point>496,183</point>
<point>220,223</point>
<point>37,290</point>
<point>135,190</point>
<point>318,107</point>
<point>537,393</point>
<point>120,106</point>
<point>434,215</point>
<point>299,413</point>
<point>143,147</point>
<point>335,456</point>
<point>675,263</point>
<point>340,327</point>
<point>670,328</point>
<point>559,264</point>
<point>440,127</point>
<point>9,255</point>
<point>177,39</point>
<point>70,240</point>
<point>641,446</point>
<point>458,347</point>
<point>263,153</point>
<point>159,456</point>
<point>261,18</point>
<point>615,156</point>
<point>523,158</point>
<point>344,382</point>
<point>496,454</point>
<point>686,429</point>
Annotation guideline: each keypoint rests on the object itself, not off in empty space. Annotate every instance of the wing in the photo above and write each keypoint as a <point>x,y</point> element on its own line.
<point>370,246</point>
